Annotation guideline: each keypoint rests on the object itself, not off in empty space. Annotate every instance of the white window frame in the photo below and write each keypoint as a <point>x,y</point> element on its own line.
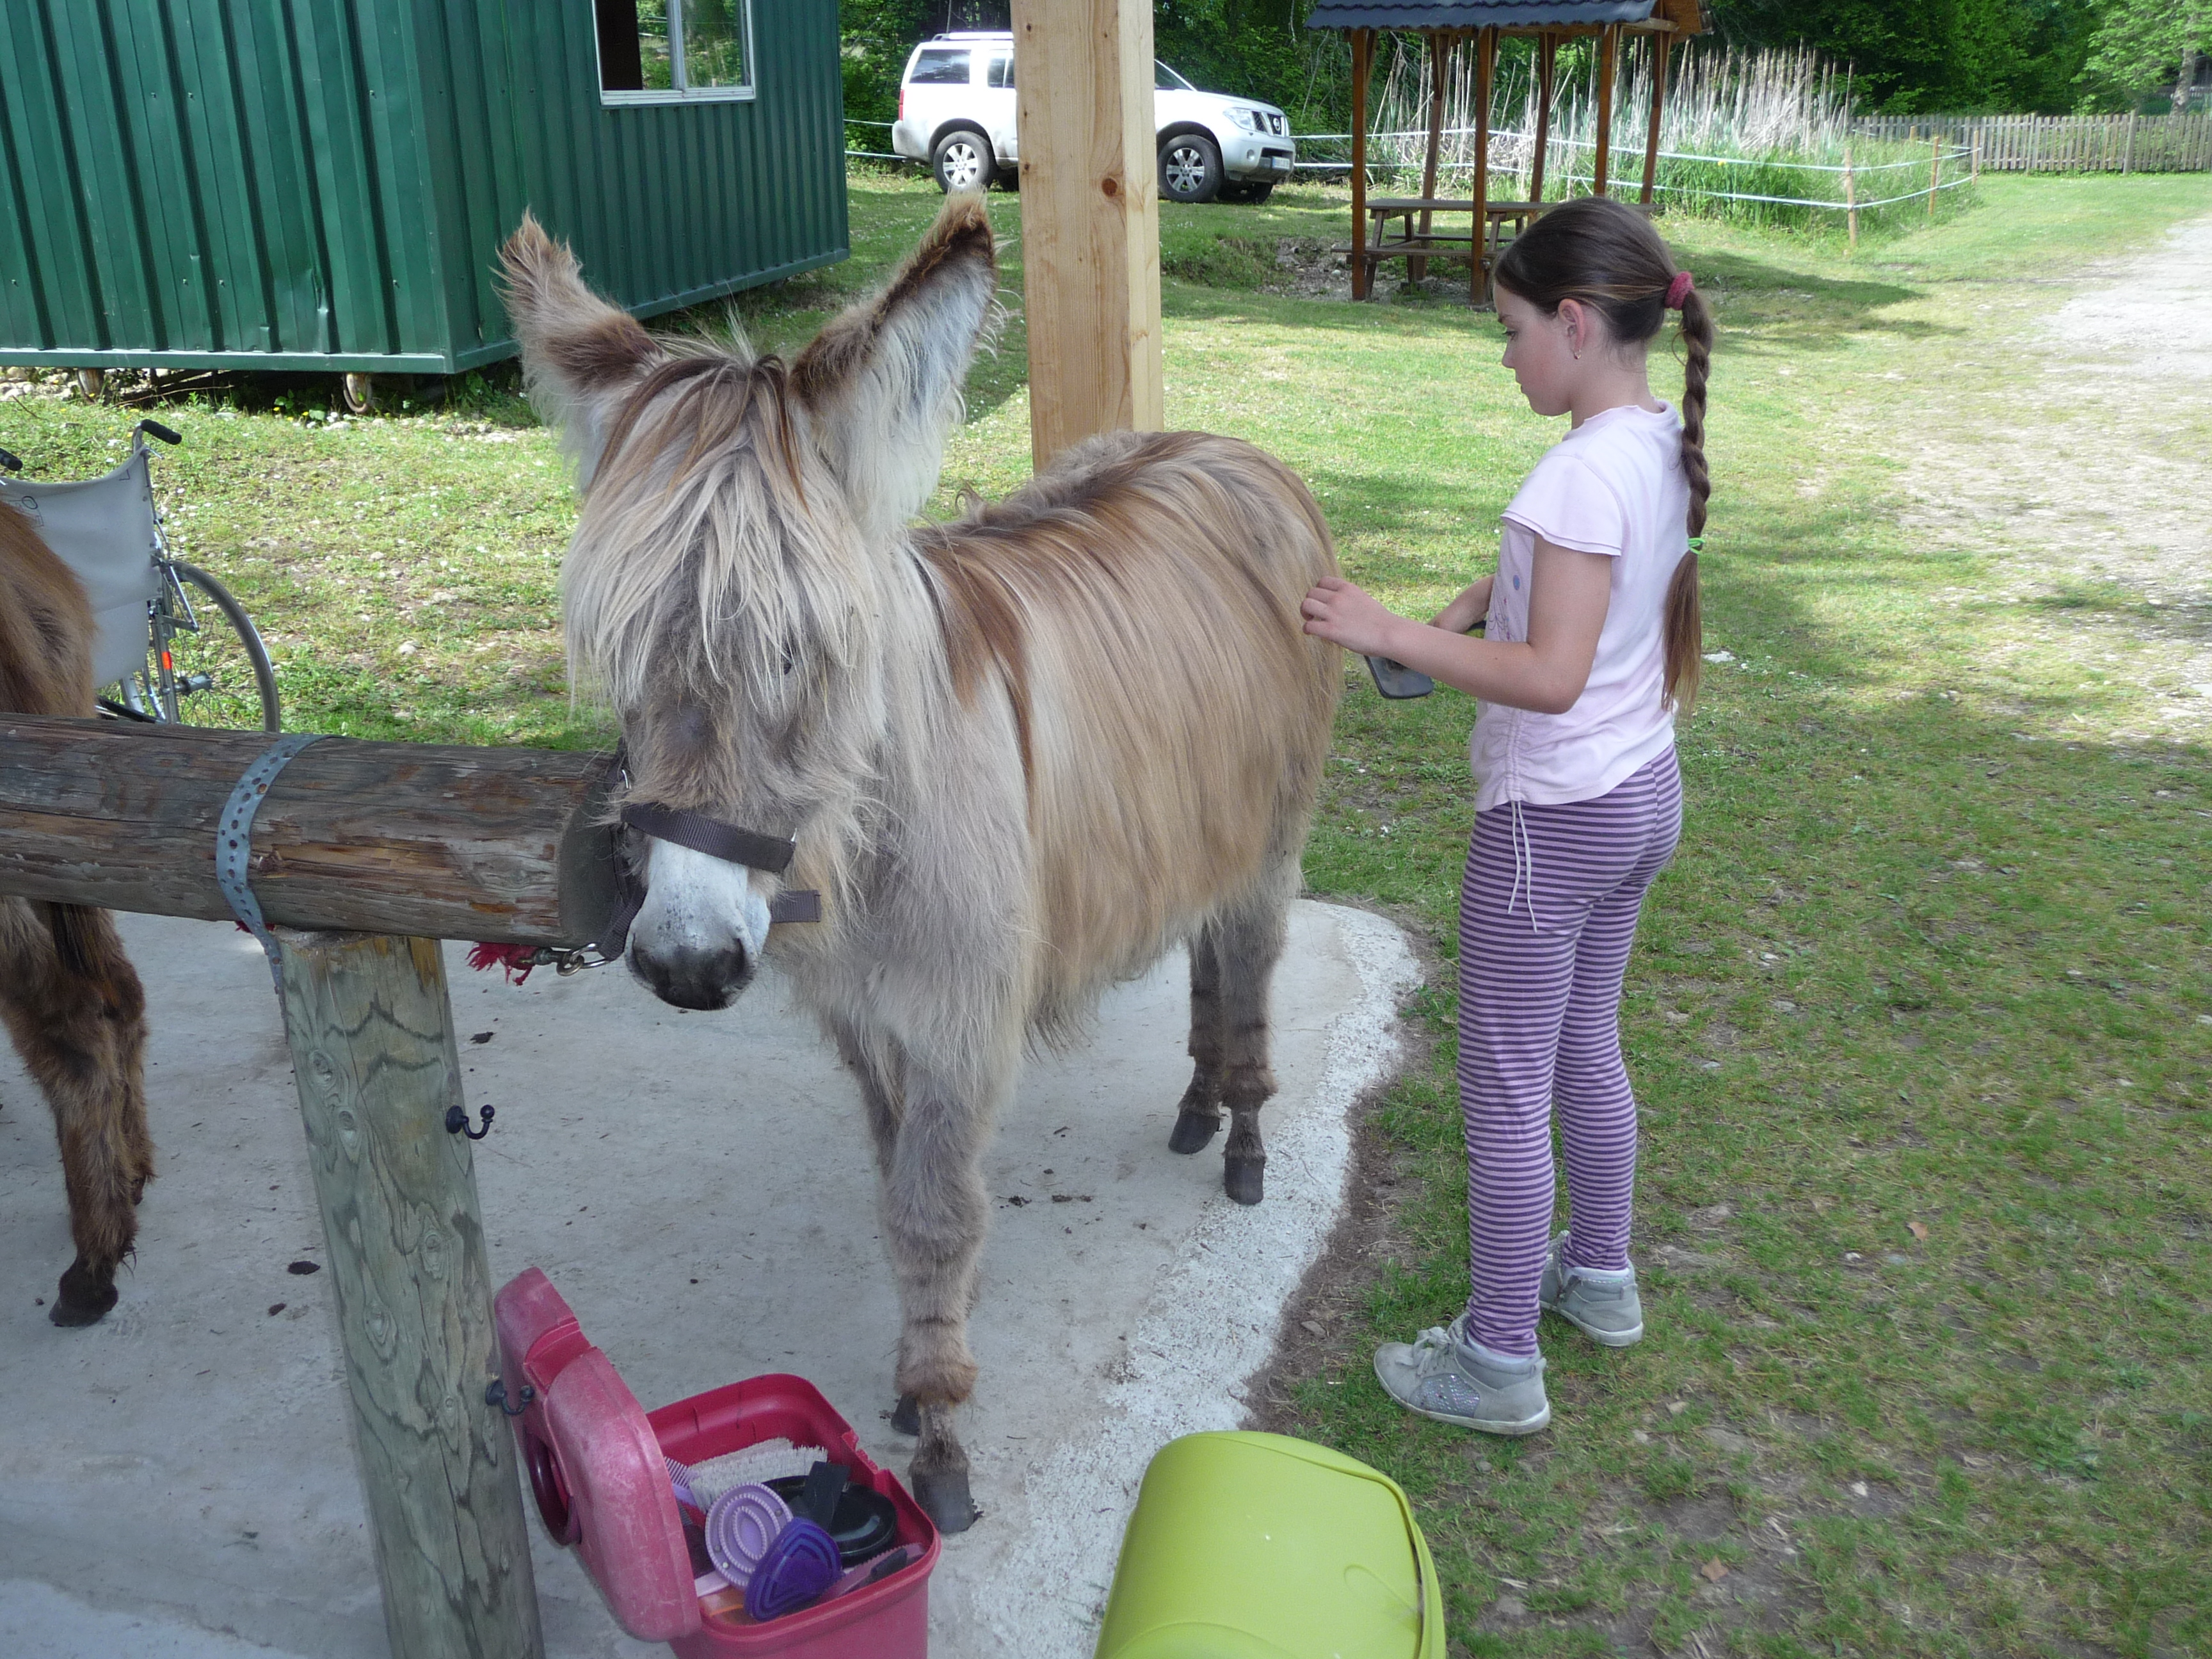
<point>680,93</point>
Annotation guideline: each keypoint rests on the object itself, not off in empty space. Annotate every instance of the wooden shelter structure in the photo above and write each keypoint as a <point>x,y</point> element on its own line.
<point>1482,24</point>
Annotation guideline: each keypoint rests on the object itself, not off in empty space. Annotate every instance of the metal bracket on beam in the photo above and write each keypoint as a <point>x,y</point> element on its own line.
<point>234,844</point>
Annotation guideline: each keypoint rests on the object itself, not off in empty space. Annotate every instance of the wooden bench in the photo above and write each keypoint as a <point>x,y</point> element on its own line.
<point>1417,245</point>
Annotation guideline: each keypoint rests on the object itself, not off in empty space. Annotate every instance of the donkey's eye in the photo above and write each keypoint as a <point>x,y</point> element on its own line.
<point>786,662</point>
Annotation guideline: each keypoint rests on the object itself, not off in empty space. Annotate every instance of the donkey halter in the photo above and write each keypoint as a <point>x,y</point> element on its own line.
<point>732,842</point>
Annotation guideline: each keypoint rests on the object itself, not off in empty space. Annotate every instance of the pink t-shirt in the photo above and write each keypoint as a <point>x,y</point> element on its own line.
<point>1614,485</point>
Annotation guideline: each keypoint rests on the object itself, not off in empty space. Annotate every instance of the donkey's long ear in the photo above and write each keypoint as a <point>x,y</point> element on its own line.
<point>579,354</point>
<point>883,381</point>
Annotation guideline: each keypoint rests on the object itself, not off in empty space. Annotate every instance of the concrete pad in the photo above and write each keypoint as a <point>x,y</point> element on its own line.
<point>180,1482</point>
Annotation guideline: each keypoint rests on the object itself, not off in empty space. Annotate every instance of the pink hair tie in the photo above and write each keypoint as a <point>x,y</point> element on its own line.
<point>1678,290</point>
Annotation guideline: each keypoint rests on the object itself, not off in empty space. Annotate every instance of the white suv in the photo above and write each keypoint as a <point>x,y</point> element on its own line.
<point>957,113</point>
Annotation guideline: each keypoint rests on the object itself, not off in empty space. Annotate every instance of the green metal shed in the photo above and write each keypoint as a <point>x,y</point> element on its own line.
<point>323,184</point>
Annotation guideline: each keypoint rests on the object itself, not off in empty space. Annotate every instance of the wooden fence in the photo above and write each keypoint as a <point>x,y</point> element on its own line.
<point>2063,143</point>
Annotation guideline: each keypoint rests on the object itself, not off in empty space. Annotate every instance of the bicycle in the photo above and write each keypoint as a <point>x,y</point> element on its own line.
<point>163,654</point>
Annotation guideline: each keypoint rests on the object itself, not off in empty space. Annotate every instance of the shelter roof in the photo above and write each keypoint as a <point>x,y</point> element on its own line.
<point>1474,14</point>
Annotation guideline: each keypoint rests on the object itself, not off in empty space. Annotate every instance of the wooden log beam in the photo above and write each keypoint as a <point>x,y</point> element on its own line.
<point>1547,59</point>
<point>1363,53</point>
<point>421,839</point>
<point>1439,42</point>
<point>371,1030</point>
<point>1660,43</point>
<point>1091,219</point>
<point>1486,64</point>
<point>1608,67</point>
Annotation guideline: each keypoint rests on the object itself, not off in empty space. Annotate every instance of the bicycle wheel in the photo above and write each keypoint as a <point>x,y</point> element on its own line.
<point>217,665</point>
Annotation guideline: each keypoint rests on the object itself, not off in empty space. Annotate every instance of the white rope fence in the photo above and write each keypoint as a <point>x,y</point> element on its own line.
<point>1958,154</point>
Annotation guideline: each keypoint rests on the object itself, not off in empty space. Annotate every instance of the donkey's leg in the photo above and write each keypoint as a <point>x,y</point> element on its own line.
<point>880,1092</point>
<point>934,1211</point>
<point>1249,941</point>
<point>1199,1114</point>
<point>74,1007</point>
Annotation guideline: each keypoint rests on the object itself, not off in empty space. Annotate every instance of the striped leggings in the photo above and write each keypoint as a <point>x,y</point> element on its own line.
<point>1546,918</point>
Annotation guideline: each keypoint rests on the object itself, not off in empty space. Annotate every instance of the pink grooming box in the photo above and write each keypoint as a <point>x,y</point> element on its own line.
<point>594,1458</point>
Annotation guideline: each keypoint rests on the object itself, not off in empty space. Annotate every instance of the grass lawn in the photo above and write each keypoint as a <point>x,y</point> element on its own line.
<point>1920,1019</point>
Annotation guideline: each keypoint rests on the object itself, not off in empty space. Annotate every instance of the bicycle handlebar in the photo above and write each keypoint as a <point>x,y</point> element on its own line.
<point>155,429</point>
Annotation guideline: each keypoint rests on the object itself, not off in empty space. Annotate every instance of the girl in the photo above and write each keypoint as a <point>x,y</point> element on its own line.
<point>1593,642</point>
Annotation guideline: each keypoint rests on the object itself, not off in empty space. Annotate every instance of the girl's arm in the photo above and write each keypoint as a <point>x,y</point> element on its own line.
<point>1469,606</point>
<point>1568,594</point>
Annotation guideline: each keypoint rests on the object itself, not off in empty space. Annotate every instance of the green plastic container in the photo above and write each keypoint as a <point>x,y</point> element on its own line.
<point>1260,1547</point>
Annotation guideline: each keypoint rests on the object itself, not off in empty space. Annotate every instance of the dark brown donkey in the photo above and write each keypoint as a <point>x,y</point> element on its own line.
<point>68,995</point>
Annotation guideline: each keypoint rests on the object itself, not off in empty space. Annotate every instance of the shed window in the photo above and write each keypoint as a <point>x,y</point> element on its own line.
<point>940,67</point>
<point>656,52</point>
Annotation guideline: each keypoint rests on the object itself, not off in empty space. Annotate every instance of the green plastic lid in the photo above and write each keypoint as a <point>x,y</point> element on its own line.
<point>1260,1546</point>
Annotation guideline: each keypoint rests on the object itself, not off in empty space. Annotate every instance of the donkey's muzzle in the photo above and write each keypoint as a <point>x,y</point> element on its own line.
<point>704,980</point>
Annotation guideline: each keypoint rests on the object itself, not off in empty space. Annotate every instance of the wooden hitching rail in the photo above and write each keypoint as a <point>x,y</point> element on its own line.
<point>381,849</point>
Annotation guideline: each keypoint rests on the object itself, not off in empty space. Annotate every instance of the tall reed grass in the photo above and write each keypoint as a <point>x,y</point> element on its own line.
<point>1736,127</point>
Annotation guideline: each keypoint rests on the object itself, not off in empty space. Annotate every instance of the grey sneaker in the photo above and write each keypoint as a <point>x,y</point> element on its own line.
<point>1444,1375</point>
<point>1603,1307</point>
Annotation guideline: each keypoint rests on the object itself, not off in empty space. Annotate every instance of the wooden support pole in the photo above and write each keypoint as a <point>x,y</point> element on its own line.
<point>1091,226</point>
<point>1934,169</point>
<point>1851,200</point>
<point>1661,43</point>
<point>1362,52</point>
<point>449,843</point>
<point>2127,158</point>
<point>1547,62</point>
<point>1609,64</point>
<point>1439,43</point>
<point>1485,61</point>
<point>371,1032</point>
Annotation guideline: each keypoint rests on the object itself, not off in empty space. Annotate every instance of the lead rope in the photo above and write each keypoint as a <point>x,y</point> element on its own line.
<point>234,845</point>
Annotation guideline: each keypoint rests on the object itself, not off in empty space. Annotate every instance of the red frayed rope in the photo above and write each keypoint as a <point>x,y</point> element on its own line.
<point>515,960</point>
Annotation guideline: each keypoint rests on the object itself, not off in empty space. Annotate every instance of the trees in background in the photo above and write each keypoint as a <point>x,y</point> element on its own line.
<point>1957,56</point>
<point>2146,45</point>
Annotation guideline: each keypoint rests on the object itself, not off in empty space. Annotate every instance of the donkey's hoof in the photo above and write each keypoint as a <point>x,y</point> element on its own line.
<point>1244,1179</point>
<point>85,1297</point>
<point>944,1497</point>
<point>906,1416</point>
<point>1192,1130</point>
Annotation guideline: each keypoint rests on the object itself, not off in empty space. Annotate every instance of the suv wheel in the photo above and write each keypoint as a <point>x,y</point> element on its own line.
<point>1190,168</point>
<point>962,159</point>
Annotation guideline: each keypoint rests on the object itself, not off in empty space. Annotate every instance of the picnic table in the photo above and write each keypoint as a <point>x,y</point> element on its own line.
<point>1420,243</point>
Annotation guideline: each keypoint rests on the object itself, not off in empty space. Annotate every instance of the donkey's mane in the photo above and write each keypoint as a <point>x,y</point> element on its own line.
<point>696,553</point>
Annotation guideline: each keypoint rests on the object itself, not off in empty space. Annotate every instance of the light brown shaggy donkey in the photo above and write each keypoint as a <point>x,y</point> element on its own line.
<point>1020,755</point>
<point>70,996</point>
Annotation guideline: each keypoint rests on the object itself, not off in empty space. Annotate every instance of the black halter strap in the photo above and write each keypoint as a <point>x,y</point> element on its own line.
<point>732,842</point>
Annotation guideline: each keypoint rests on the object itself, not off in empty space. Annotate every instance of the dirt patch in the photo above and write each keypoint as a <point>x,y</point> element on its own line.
<point>2086,475</point>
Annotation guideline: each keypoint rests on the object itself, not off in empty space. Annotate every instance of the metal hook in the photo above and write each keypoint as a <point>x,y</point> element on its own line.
<point>456,1122</point>
<point>495,1392</point>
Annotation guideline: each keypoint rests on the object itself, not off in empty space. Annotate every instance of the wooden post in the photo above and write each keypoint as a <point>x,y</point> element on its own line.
<point>1485,60</point>
<point>1659,45</point>
<point>1439,43</point>
<point>1547,61</point>
<point>372,1037</point>
<point>2128,157</point>
<point>1934,169</point>
<point>1091,231</point>
<point>1608,62</point>
<point>1851,200</point>
<point>1363,50</point>
<point>1975,177</point>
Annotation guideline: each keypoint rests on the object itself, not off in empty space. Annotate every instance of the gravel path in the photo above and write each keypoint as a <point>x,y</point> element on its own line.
<point>2090,476</point>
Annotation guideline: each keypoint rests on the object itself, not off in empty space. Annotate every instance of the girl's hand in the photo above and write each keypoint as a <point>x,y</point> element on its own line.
<point>1343,615</point>
<point>1469,607</point>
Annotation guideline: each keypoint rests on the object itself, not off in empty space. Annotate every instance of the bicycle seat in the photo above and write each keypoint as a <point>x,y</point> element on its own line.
<point>103,530</point>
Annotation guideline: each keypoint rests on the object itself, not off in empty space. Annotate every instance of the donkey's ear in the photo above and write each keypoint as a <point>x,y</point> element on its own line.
<point>579,354</point>
<point>883,381</point>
